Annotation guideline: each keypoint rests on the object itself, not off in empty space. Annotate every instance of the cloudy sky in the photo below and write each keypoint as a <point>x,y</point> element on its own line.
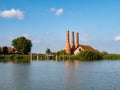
<point>45,22</point>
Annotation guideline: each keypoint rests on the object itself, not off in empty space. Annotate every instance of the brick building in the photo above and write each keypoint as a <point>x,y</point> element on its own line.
<point>9,49</point>
<point>75,48</point>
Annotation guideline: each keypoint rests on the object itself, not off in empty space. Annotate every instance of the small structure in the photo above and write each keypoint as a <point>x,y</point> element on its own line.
<point>1,49</point>
<point>49,56</point>
<point>9,49</point>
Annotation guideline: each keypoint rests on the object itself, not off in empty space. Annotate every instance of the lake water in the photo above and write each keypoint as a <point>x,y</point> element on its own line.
<point>62,75</point>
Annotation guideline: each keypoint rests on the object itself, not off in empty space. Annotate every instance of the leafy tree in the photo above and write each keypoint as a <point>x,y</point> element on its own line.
<point>5,50</point>
<point>22,45</point>
<point>48,51</point>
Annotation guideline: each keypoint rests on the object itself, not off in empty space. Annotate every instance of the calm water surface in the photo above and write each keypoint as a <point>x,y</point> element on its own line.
<point>62,75</point>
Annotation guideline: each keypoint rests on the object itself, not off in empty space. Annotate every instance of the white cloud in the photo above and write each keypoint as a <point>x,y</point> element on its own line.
<point>36,41</point>
<point>84,38</point>
<point>47,33</point>
<point>11,38</point>
<point>52,9</point>
<point>12,14</point>
<point>30,37</point>
<point>26,35</point>
<point>59,12</point>
<point>117,38</point>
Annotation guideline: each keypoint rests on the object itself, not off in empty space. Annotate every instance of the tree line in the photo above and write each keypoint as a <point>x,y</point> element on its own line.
<point>23,47</point>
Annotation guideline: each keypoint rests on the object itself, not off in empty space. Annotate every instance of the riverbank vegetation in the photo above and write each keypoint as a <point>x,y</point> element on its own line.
<point>60,55</point>
<point>83,55</point>
<point>111,56</point>
<point>14,58</point>
<point>88,55</point>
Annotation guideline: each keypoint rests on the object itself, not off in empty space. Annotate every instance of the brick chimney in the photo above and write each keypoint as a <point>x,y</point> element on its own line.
<point>67,47</point>
<point>73,43</point>
<point>77,39</point>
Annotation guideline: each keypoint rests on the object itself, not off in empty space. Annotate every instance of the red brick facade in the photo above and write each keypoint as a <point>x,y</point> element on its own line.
<point>10,50</point>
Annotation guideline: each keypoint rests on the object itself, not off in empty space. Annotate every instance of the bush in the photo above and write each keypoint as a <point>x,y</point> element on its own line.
<point>90,55</point>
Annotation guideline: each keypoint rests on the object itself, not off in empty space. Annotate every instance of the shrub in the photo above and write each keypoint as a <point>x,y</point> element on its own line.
<point>90,55</point>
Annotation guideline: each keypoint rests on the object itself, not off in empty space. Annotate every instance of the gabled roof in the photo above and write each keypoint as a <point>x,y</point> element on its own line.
<point>86,47</point>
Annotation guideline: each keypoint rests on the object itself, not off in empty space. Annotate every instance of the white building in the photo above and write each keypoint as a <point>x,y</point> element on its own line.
<point>82,48</point>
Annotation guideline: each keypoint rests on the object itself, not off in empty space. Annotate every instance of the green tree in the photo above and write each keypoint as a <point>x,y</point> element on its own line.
<point>22,45</point>
<point>5,50</point>
<point>48,51</point>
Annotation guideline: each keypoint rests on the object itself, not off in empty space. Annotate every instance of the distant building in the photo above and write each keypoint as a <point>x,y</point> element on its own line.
<point>75,48</point>
<point>1,49</point>
<point>49,56</point>
<point>82,48</point>
<point>9,49</point>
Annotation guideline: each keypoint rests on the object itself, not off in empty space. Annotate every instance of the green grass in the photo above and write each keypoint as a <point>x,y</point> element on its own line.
<point>111,56</point>
<point>13,57</point>
<point>83,57</point>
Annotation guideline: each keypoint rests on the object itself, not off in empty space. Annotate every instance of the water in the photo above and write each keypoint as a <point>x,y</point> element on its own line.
<point>62,75</point>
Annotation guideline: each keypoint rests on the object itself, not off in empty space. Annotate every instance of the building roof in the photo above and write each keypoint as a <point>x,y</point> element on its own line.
<point>87,47</point>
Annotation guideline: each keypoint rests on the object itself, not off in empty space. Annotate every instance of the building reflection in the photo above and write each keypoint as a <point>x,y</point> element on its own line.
<point>71,72</point>
<point>76,64</point>
<point>72,63</point>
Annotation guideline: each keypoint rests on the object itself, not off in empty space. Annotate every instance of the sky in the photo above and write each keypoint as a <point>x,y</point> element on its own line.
<point>45,23</point>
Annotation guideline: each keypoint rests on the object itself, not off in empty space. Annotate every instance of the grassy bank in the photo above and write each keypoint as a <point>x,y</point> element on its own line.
<point>111,56</point>
<point>83,57</point>
<point>15,58</point>
<point>18,57</point>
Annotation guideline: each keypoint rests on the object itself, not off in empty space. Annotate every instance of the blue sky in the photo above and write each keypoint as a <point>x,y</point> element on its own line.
<point>45,22</point>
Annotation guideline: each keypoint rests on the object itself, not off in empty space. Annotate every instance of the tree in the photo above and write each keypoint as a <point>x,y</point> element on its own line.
<point>5,50</point>
<point>22,45</point>
<point>48,51</point>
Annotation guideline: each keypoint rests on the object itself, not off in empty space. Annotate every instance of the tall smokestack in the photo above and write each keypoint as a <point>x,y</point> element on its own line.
<point>67,47</point>
<point>77,39</point>
<point>73,43</point>
<point>67,37</point>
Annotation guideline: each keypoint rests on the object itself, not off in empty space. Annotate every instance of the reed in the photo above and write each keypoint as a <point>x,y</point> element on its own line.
<point>111,56</point>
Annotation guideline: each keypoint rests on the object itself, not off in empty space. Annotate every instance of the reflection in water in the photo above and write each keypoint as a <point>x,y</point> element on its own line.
<point>21,61</point>
<point>68,75</point>
<point>71,73</point>
<point>14,76</point>
<point>16,61</point>
<point>20,77</point>
<point>72,63</point>
<point>77,64</point>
